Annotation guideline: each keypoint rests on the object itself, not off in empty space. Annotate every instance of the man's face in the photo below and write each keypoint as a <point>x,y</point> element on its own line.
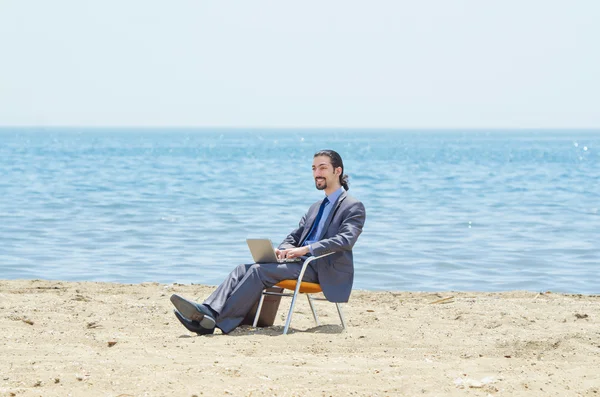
<point>323,172</point>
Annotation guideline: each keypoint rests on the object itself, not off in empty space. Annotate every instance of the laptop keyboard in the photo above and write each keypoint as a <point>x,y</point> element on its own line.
<point>288,260</point>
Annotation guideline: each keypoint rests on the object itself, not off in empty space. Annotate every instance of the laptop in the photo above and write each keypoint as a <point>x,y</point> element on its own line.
<point>262,251</point>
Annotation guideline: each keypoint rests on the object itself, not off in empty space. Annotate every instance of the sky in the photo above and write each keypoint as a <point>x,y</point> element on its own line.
<point>279,63</point>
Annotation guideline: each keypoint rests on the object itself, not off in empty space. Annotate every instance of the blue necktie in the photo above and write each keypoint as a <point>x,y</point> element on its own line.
<point>315,224</point>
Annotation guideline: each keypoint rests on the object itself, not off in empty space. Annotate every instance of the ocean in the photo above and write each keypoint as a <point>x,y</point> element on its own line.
<point>446,210</point>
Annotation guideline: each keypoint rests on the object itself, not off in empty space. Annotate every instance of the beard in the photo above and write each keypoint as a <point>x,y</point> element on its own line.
<point>323,185</point>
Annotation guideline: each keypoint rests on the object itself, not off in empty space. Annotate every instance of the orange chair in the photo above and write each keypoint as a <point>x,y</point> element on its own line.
<point>299,287</point>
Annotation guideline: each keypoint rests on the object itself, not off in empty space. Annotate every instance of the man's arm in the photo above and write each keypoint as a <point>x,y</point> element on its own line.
<point>293,239</point>
<point>350,228</point>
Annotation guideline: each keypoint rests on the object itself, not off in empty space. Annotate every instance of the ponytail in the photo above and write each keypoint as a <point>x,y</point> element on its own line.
<point>344,181</point>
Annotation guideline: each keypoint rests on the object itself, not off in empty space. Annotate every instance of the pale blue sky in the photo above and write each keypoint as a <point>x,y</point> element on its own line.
<point>335,63</point>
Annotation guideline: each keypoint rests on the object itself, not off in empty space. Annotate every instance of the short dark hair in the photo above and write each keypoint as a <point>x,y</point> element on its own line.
<point>336,161</point>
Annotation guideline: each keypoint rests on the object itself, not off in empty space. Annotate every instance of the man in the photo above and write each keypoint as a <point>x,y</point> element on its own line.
<point>330,225</point>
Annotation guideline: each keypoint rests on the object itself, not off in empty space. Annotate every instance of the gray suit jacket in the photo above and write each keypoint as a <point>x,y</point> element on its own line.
<point>341,230</point>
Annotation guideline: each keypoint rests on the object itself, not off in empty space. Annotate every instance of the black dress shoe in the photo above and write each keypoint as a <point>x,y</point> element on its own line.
<point>193,326</point>
<point>193,311</point>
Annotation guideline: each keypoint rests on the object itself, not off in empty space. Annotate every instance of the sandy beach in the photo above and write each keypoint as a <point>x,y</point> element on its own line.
<point>106,339</point>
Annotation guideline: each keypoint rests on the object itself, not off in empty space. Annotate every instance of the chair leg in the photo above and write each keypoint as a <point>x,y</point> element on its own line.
<point>258,309</point>
<point>310,303</point>
<point>289,317</point>
<point>339,309</point>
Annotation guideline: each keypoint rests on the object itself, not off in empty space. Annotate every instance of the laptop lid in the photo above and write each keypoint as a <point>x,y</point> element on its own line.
<point>262,250</point>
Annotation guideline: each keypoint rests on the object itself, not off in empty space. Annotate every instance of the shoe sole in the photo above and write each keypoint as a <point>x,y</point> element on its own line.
<point>189,310</point>
<point>182,320</point>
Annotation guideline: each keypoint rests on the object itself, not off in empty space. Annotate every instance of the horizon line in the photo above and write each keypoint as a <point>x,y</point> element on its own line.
<point>303,128</point>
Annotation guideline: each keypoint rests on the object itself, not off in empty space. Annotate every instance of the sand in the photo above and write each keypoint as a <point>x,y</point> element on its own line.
<point>106,339</point>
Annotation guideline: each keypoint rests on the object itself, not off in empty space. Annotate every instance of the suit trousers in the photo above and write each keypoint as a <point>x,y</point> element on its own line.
<point>234,298</point>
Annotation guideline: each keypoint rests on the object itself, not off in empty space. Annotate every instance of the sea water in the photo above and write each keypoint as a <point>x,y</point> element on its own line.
<point>446,210</point>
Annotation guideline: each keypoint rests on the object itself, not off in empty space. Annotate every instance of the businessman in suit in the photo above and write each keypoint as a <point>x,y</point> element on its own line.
<point>330,225</point>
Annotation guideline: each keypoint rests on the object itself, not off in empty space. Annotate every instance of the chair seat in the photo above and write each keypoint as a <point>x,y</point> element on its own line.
<point>305,287</point>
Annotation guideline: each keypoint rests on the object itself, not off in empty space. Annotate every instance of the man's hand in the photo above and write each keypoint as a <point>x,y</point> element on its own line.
<point>279,254</point>
<point>292,253</point>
